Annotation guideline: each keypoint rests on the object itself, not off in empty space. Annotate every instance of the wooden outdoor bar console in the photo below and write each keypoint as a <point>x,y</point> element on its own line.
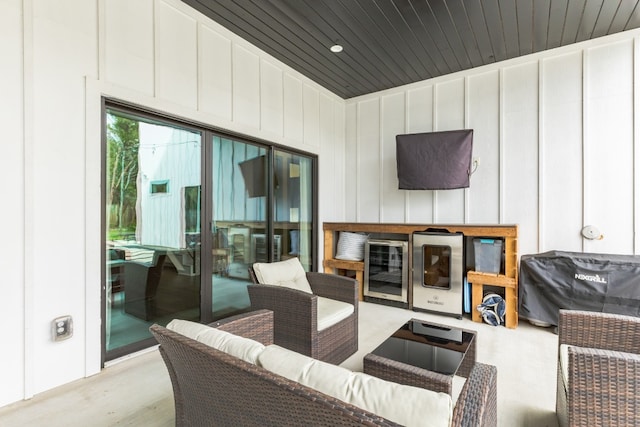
<point>507,279</point>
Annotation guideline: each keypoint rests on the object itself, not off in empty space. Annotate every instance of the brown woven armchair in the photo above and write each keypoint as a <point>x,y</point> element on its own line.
<point>296,313</point>
<point>598,369</point>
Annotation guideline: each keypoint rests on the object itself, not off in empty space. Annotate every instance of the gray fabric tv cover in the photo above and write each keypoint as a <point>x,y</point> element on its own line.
<point>434,160</point>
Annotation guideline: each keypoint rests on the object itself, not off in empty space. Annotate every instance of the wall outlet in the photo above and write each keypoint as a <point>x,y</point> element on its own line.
<point>62,328</point>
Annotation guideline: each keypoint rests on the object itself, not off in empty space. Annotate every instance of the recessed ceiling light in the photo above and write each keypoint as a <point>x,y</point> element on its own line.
<point>336,48</point>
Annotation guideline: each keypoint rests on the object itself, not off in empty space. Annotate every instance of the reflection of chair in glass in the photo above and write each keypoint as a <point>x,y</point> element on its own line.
<point>142,282</point>
<point>115,275</point>
<point>221,253</point>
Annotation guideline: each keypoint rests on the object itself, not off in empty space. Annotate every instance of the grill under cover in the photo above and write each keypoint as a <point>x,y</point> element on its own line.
<point>578,281</point>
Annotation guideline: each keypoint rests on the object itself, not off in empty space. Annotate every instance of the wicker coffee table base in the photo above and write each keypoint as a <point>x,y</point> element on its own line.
<point>403,373</point>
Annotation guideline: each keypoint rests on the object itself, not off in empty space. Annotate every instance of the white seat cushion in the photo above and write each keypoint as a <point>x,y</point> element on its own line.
<point>402,404</point>
<point>289,273</point>
<point>332,311</point>
<point>240,347</point>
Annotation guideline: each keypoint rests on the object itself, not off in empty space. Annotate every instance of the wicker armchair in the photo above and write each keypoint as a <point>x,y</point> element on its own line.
<point>598,369</point>
<point>296,313</point>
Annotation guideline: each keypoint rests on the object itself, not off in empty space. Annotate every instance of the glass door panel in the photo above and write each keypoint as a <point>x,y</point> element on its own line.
<point>152,228</point>
<point>239,194</point>
<point>293,206</point>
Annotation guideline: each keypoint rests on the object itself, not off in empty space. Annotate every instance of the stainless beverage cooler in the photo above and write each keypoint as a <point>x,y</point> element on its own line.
<point>385,270</point>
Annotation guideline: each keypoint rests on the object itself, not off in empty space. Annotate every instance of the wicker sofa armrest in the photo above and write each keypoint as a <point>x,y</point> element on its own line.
<point>333,286</point>
<point>599,330</point>
<point>256,325</point>
<point>477,404</point>
<point>287,304</point>
<point>295,315</point>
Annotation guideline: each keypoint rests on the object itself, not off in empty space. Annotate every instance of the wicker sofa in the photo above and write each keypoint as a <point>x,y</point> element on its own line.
<point>598,369</point>
<point>212,387</point>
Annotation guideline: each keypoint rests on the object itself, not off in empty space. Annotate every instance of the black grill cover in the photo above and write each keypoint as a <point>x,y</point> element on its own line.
<point>578,281</point>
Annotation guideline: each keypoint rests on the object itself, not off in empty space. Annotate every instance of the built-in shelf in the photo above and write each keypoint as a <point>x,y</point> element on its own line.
<point>507,279</point>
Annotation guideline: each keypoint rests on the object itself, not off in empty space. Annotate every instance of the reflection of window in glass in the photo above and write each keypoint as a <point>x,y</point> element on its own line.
<point>192,209</point>
<point>191,214</point>
<point>160,187</point>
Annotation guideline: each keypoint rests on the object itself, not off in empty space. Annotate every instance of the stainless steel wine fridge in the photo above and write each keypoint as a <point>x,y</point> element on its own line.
<point>386,270</point>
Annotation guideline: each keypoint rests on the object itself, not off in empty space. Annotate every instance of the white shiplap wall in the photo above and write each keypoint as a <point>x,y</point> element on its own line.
<point>14,181</point>
<point>553,133</point>
<point>56,60</point>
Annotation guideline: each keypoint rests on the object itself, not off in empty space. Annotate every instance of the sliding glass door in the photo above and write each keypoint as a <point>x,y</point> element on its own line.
<point>173,192</point>
<point>249,182</point>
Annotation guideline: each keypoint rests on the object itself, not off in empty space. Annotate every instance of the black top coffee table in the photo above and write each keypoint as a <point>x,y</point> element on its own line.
<point>424,354</point>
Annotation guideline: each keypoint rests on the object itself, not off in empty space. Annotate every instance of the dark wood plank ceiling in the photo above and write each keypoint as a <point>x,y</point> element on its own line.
<point>389,43</point>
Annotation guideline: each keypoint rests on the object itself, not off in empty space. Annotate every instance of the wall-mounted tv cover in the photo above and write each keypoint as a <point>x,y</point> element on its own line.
<point>434,160</point>
<point>254,173</point>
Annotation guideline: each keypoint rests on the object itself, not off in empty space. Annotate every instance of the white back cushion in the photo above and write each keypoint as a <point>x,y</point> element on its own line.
<point>187,328</point>
<point>240,347</point>
<point>289,273</point>
<point>406,405</point>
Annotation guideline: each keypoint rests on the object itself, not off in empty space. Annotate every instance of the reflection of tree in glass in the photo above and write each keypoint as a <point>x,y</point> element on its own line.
<point>123,142</point>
